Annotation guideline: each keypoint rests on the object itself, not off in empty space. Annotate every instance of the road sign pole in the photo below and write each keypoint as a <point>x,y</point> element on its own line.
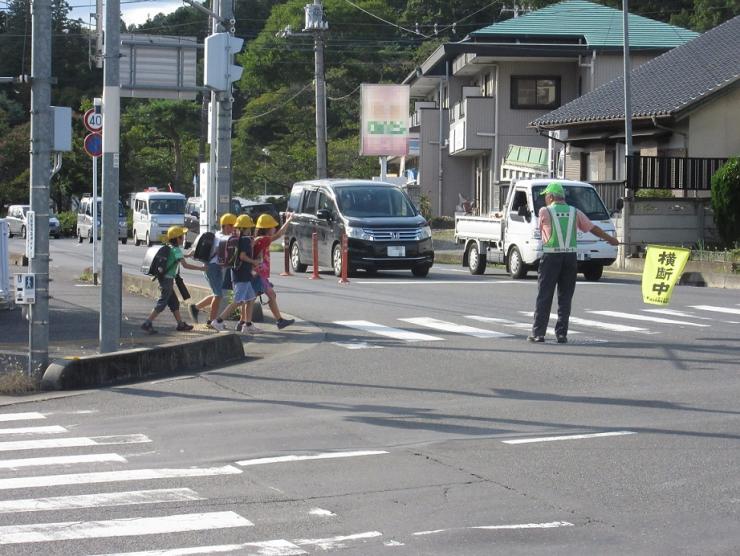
<point>38,343</point>
<point>110,291</point>
<point>95,220</point>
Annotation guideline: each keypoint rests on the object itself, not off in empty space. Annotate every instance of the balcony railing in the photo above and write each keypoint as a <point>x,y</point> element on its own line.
<point>668,172</point>
<point>472,125</point>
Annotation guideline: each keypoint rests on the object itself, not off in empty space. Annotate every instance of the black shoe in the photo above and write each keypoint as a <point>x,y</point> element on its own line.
<point>282,323</point>
<point>148,328</point>
<point>536,339</point>
<point>183,326</point>
<point>194,312</point>
<point>562,339</point>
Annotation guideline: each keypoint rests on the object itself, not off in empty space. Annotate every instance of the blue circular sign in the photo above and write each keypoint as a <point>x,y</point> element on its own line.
<point>94,144</point>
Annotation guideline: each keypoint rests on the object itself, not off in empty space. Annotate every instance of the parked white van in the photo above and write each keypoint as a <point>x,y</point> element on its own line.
<point>154,213</point>
<point>85,220</point>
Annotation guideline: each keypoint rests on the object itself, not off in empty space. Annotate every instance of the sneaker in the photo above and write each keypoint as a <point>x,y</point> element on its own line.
<point>240,326</point>
<point>148,328</point>
<point>282,323</point>
<point>536,339</point>
<point>252,329</point>
<point>194,312</point>
<point>216,325</point>
<point>562,339</point>
<point>183,326</point>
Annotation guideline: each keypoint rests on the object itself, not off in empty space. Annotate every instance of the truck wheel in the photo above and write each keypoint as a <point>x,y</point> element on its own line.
<point>146,240</point>
<point>517,268</point>
<point>476,261</point>
<point>136,239</point>
<point>420,271</point>
<point>124,240</point>
<point>79,236</point>
<point>23,232</point>
<point>592,272</point>
<point>89,236</point>
<point>295,258</point>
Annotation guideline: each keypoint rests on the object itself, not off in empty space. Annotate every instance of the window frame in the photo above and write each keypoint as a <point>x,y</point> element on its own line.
<point>514,92</point>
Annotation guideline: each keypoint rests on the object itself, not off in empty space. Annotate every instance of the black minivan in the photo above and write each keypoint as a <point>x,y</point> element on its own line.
<point>384,229</point>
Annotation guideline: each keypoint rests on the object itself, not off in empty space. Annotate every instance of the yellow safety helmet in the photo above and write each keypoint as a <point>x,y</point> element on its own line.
<point>244,221</point>
<point>175,232</point>
<point>266,221</point>
<point>228,219</point>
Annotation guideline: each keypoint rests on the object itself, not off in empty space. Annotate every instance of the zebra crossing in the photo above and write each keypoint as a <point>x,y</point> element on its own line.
<point>140,517</point>
<point>595,325</point>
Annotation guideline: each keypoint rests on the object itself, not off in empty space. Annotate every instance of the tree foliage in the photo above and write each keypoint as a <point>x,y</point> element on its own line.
<point>726,201</point>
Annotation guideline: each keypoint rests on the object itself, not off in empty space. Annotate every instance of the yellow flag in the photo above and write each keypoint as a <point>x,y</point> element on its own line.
<point>663,268</point>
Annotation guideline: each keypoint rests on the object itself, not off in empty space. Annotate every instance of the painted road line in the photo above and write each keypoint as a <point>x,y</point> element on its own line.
<point>444,326</point>
<point>100,500</point>
<point>566,437</point>
<point>73,442</point>
<point>52,429</point>
<point>549,525</point>
<point>674,313</point>
<point>61,460</point>
<point>356,345</point>
<point>115,476</point>
<point>21,416</point>
<point>387,331</point>
<point>327,455</point>
<point>597,324</point>
<point>322,512</point>
<point>331,543</point>
<point>647,318</point>
<point>44,532</point>
<point>726,310</point>
<point>514,324</point>
<point>279,547</point>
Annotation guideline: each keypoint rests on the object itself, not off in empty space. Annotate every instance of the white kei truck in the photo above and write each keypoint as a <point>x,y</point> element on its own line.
<point>512,236</point>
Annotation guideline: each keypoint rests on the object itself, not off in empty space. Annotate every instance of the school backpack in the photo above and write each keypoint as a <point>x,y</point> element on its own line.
<point>203,246</point>
<point>155,261</point>
<point>227,250</point>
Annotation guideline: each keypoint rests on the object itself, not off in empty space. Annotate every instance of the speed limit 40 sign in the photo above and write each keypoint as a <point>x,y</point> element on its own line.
<point>93,120</point>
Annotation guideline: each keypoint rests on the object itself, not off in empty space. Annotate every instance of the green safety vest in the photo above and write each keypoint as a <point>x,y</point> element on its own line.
<point>564,236</point>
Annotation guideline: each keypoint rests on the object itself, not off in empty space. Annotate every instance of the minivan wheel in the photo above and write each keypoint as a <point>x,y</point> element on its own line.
<point>295,258</point>
<point>124,240</point>
<point>592,272</point>
<point>336,259</point>
<point>517,268</point>
<point>420,271</point>
<point>23,232</point>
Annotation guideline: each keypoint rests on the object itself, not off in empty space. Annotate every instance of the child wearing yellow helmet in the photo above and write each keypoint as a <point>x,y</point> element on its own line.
<point>265,235</point>
<point>167,295</point>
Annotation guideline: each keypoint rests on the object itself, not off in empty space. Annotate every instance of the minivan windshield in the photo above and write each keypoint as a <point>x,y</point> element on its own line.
<point>373,202</point>
<point>167,206</point>
<point>583,198</point>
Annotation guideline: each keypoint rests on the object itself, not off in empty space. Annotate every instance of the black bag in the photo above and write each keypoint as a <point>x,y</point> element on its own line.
<point>203,246</point>
<point>155,261</point>
<point>182,288</point>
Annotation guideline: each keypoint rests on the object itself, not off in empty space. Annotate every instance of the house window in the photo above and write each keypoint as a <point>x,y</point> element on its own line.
<point>535,92</point>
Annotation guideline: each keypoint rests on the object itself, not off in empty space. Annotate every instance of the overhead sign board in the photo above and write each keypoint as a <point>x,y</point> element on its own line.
<point>384,120</point>
<point>93,120</point>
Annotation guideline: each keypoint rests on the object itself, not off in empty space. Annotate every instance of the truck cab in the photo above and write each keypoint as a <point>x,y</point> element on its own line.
<point>512,236</point>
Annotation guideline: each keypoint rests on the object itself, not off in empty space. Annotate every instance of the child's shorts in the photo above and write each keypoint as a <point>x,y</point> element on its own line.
<point>243,291</point>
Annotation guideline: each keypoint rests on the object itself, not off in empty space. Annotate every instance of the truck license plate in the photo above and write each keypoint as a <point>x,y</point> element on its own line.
<point>396,250</point>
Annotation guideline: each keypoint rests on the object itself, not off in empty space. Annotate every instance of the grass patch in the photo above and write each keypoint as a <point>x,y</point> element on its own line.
<point>16,382</point>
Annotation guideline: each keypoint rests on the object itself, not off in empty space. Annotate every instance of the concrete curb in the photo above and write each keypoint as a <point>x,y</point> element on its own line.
<point>134,364</point>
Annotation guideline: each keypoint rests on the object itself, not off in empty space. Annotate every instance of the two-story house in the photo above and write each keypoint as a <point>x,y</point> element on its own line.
<point>473,99</point>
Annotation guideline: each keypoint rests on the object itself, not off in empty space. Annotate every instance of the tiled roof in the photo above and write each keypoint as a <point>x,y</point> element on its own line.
<point>531,157</point>
<point>665,85</point>
<point>599,26</point>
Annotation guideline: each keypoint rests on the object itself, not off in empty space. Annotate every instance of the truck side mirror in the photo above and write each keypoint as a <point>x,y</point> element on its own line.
<point>523,211</point>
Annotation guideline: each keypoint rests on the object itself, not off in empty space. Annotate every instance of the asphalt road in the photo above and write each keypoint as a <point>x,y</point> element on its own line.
<point>424,423</point>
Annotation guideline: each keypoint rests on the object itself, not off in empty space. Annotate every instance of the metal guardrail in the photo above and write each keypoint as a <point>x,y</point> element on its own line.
<point>668,172</point>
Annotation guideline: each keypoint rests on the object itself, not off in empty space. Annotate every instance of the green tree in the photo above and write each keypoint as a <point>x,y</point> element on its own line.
<point>726,201</point>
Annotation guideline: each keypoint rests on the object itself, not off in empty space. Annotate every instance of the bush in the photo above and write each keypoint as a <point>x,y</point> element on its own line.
<point>68,222</point>
<point>425,207</point>
<point>726,201</point>
<point>654,194</point>
<point>442,223</point>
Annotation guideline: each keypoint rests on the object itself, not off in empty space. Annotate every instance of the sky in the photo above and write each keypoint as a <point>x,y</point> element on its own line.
<point>134,12</point>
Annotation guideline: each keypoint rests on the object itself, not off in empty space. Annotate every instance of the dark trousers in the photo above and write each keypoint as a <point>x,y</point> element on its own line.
<point>556,269</point>
<point>167,296</point>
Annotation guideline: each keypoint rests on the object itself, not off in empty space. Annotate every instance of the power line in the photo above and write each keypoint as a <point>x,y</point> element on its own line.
<point>279,106</point>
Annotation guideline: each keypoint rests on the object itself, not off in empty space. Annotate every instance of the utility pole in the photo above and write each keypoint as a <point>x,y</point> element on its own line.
<point>110,291</point>
<point>626,239</point>
<point>316,25</point>
<point>40,175</point>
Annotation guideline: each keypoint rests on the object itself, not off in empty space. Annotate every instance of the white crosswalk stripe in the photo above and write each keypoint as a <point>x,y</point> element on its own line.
<point>387,331</point>
<point>72,442</point>
<point>279,547</point>
<point>44,532</point>
<point>646,318</point>
<point>676,313</point>
<point>513,324</point>
<point>28,416</point>
<point>726,310</point>
<point>445,326</point>
<point>99,500</point>
<point>598,324</point>
<point>61,460</point>
<point>52,429</point>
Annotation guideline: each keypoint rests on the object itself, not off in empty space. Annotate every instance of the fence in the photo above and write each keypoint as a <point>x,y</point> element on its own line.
<point>667,172</point>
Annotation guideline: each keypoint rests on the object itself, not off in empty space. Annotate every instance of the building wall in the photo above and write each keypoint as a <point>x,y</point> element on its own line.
<point>610,66</point>
<point>714,129</point>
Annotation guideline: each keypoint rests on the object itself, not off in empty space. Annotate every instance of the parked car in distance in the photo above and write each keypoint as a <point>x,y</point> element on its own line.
<point>84,229</point>
<point>255,208</point>
<point>384,229</point>
<point>17,224</point>
<point>154,213</point>
<point>193,207</point>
